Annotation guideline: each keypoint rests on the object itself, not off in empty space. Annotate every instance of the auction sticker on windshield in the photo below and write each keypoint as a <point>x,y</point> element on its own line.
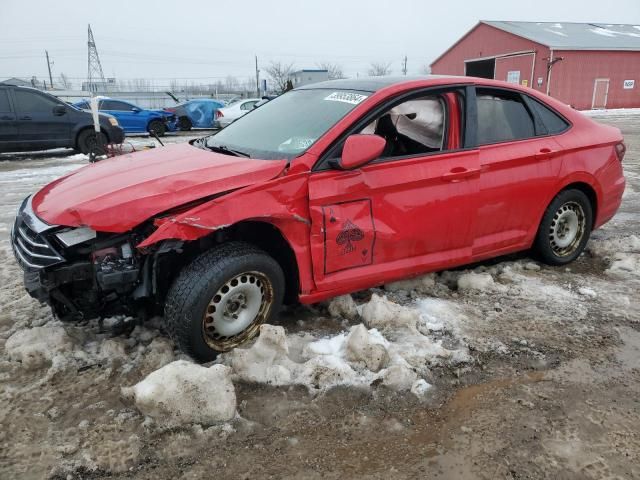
<point>346,97</point>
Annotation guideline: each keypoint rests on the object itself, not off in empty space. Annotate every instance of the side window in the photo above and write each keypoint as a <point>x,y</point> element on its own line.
<point>247,105</point>
<point>31,102</point>
<point>552,122</point>
<point>502,116</point>
<point>413,127</point>
<point>114,105</point>
<point>5,106</point>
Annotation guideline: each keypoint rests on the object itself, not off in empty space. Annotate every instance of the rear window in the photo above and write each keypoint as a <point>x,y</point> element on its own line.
<point>4,101</point>
<point>502,117</point>
<point>552,122</point>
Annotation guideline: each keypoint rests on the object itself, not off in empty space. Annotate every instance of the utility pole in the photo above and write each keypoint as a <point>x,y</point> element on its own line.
<point>49,67</point>
<point>257,79</point>
<point>404,66</point>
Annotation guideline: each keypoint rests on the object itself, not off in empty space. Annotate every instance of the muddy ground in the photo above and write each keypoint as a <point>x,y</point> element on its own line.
<point>550,388</point>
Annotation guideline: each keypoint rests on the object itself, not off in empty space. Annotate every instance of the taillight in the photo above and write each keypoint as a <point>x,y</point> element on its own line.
<point>621,149</point>
<point>219,114</point>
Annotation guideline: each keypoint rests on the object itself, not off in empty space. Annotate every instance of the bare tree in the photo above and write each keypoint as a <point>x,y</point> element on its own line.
<point>279,74</point>
<point>425,69</point>
<point>65,82</point>
<point>231,84</point>
<point>335,70</point>
<point>379,69</point>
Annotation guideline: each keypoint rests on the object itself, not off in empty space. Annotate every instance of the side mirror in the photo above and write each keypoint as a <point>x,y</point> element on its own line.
<point>59,110</point>
<point>136,110</point>
<point>361,149</point>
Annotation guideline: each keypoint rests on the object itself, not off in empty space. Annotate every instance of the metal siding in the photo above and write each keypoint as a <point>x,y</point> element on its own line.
<point>573,79</point>
<point>521,63</point>
<point>487,41</point>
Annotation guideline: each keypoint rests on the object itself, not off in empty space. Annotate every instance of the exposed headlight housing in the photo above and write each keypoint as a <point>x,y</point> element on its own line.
<point>76,236</point>
<point>113,121</point>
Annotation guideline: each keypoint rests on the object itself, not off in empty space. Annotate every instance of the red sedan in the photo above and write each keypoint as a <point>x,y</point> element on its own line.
<point>328,189</point>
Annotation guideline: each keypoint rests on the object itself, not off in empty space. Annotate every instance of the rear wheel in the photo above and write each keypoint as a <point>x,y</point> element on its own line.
<point>565,228</point>
<point>88,142</point>
<point>220,300</point>
<point>157,127</point>
<point>184,123</point>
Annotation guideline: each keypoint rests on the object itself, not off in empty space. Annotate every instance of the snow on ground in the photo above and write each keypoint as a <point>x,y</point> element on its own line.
<point>612,112</point>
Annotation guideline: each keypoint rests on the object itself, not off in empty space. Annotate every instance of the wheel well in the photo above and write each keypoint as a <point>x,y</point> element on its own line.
<point>154,119</point>
<point>89,127</point>
<point>260,234</point>
<point>589,192</point>
<point>269,238</point>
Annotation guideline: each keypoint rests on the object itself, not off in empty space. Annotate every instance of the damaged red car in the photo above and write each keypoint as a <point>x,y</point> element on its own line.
<point>328,189</point>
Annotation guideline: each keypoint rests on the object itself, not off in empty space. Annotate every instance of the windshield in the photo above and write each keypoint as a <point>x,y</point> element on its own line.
<point>288,125</point>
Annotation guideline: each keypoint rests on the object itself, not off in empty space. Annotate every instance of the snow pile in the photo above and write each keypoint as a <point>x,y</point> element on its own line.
<point>182,392</point>
<point>381,313</point>
<point>35,347</point>
<point>623,255</point>
<point>482,282</point>
<point>392,346</point>
<point>343,306</point>
<point>422,284</point>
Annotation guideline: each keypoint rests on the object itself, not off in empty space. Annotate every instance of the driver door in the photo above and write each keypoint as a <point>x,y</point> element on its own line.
<point>410,211</point>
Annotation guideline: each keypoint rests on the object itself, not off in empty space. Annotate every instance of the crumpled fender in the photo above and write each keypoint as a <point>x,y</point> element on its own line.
<point>283,202</point>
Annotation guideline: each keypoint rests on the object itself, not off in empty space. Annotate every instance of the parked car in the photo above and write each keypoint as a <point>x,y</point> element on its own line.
<point>198,113</point>
<point>330,188</point>
<point>233,111</point>
<point>35,120</point>
<point>263,100</point>
<point>133,118</point>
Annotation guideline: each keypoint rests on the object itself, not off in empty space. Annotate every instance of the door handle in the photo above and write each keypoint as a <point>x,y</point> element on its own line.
<point>26,117</point>
<point>6,117</point>
<point>458,173</point>
<point>545,153</point>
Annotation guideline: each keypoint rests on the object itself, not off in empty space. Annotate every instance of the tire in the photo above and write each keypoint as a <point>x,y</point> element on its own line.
<point>199,313</point>
<point>87,142</point>
<point>565,228</point>
<point>184,123</point>
<point>158,127</point>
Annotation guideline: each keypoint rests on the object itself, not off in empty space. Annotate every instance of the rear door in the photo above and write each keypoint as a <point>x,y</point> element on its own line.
<point>8,124</point>
<point>409,211</point>
<point>38,126</point>
<point>519,164</point>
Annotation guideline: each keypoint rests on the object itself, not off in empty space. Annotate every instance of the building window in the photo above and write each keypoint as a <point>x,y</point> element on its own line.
<point>513,76</point>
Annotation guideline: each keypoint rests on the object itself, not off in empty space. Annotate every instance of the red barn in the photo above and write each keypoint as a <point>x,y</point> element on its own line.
<point>585,65</point>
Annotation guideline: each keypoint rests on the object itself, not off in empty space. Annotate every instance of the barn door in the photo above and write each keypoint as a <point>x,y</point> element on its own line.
<point>600,92</point>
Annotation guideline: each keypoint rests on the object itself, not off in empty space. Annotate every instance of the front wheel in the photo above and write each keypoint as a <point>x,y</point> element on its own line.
<point>220,300</point>
<point>565,228</point>
<point>157,127</point>
<point>90,143</point>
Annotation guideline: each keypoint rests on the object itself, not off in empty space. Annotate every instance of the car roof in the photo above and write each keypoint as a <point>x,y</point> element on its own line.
<point>373,84</point>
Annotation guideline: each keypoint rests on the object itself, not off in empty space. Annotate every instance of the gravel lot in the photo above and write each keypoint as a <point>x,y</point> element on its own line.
<point>534,372</point>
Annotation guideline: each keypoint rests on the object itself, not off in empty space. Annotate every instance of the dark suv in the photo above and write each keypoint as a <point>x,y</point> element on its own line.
<point>35,120</point>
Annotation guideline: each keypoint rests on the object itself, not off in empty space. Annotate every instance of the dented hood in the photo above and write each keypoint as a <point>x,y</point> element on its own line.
<point>117,194</point>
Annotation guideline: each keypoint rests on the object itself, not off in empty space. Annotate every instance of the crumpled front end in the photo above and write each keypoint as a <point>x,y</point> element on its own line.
<point>81,274</point>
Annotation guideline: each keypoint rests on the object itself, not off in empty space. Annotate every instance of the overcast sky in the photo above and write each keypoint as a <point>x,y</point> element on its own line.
<point>206,40</point>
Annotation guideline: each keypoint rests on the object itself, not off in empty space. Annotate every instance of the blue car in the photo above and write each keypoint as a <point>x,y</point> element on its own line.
<point>134,119</point>
<point>198,113</point>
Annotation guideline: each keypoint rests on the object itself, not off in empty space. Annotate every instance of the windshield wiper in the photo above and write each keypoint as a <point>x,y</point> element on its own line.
<point>227,151</point>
